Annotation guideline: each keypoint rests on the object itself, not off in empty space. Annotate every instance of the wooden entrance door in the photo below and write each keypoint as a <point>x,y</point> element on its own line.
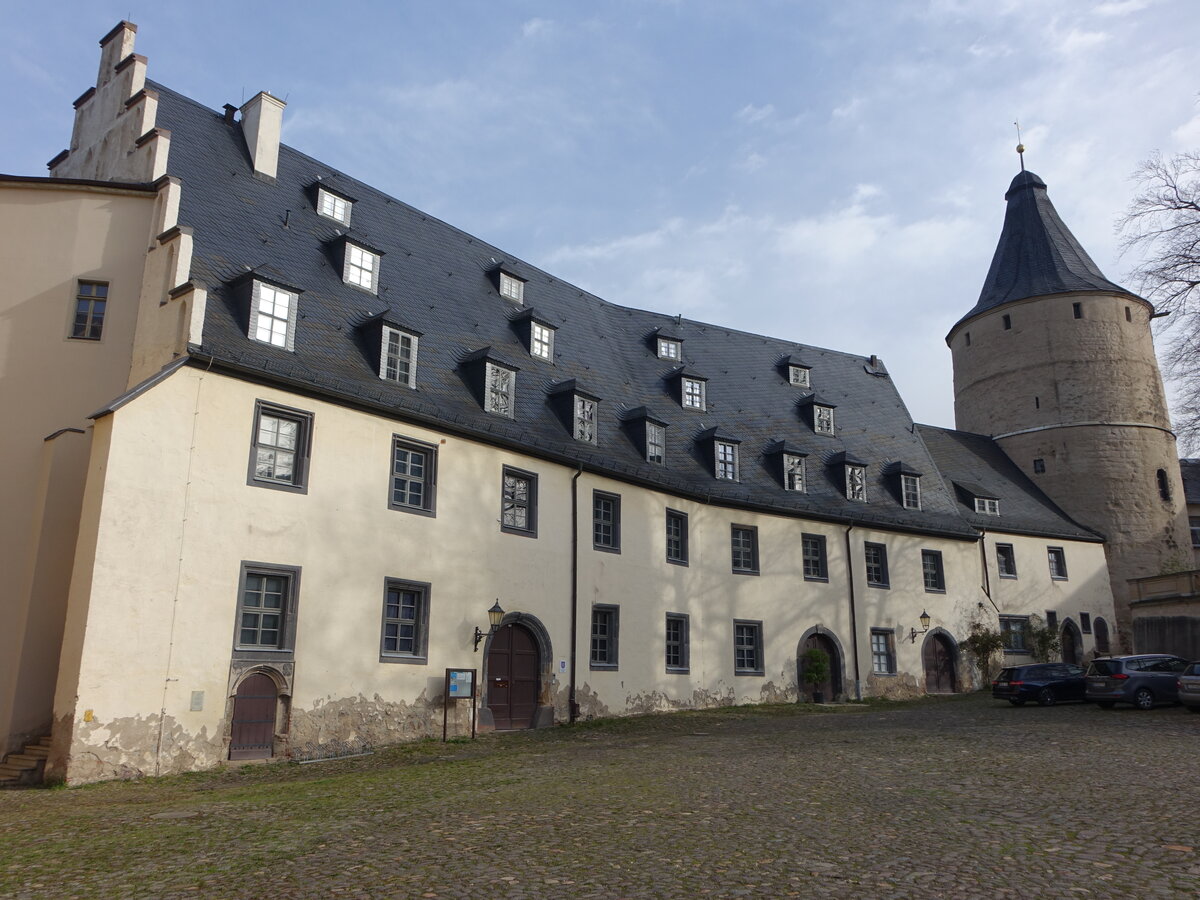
<point>939,665</point>
<point>1071,640</point>
<point>512,677</point>
<point>831,688</point>
<point>254,709</point>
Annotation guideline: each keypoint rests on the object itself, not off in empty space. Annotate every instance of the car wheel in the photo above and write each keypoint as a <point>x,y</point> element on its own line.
<point>1143,699</point>
<point>1106,704</point>
<point>1016,701</point>
<point>1046,697</point>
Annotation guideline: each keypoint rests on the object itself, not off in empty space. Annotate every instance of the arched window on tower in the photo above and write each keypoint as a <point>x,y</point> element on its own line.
<point>1164,485</point>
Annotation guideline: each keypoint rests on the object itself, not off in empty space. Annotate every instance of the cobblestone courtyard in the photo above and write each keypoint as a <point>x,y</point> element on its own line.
<point>955,797</point>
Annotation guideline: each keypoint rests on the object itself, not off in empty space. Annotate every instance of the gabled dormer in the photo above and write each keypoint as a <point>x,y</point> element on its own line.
<point>331,203</point>
<point>392,347</point>
<point>357,261</point>
<point>271,308</point>
<point>666,344</point>
<point>493,379</point>
<point>578,409</point>
<point>906,482</point>
<point>649,434</point>
<point>689,388</point>
<point>789,464</point>
<point>795,371</point>
<point>508,282</point>
<point>536,333</point>
<point>723,452</point>
<point>817,412</point>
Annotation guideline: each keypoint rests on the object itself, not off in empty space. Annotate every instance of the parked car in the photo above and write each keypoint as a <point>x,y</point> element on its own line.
<point>1188,686</point>
<point>1047,683</point>
<point>1144,680</point>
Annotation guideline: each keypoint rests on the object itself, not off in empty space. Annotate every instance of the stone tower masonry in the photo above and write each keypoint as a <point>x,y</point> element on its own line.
<point>1057,363</point>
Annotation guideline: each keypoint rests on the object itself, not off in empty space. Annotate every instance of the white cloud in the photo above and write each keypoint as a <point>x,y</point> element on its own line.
<point>865,192</point>
<point>1121,7</point>
<point>1076,41</point>
<point>751,113</point>
<point>849,109</point>
<point>982,50</point>
<point>752,162</point>
<point>536,27</point>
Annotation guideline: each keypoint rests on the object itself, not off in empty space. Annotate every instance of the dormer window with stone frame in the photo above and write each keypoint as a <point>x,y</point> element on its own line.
<point>536,333</point>
<point>494,380</point>
<point>273,309</point>
<point>798,374</point>
<point>649,434</point>
<point>333,205</point>
<point>724,452</point>
<point>579,410</point>
<point>819,414</point>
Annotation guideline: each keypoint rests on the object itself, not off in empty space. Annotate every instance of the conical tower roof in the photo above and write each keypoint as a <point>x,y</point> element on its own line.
<point>1037,254</point>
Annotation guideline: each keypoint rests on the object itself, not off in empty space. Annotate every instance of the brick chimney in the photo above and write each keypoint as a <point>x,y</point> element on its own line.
<point>262,121</point>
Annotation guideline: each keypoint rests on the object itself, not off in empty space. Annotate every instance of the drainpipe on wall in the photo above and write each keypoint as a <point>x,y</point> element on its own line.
<point>987,577</point>
<point>853,617</point>
<point>572,704</point>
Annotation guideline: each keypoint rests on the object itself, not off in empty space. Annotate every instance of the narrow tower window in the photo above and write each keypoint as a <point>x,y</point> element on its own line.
<point>968,337</point>
<point>1007,322</point>
<point>1037,402</point>
<point>1077,310</point>
<point>1128,314</point>
<point>1164,485</point>
<point>1039,466</point>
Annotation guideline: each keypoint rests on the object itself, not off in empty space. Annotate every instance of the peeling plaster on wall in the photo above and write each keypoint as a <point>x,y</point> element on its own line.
<point>590,706</point>
<point>125,748</point>
<point>894,687</point>
<point>375,722</point>
<point>773,693</point>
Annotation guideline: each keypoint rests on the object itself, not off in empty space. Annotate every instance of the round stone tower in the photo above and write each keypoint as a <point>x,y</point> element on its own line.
<point>1057,364</point>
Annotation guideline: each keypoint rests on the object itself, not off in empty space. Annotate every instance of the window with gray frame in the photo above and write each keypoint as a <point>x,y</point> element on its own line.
<point>677,537</point>
<point>405,632</point>
<point>1085,622</point>
<point>333,207</point>
<point>518,504</point>
<point>693,393</point>
<point>1012,632</point>
<point>266,611</point>
<point>1052,619</point>
<point>668,349</point>
<point>499,389</point>
<point>414,483</point>
<point>279,451</point>
<point>585,420</point>
<point>677,642</point>
<point>606,521</point>
<point>91,299</point>
<point>798,375</point>
<point>910,490</point>
<point>823,419</point>
<point>605,620</point>
<point>932,571</point>
<point>398,356</point>
<point>726,460</point>
<point>656,443</point>
<point>883,651</point>
<point>744,546</point>
<point>273,315</point>
<point>856,483</point>
<point>816,567</point>
<point>877,567</point>
<point>1057,558</point>
<point>747,647</point>
<point>793,473</point>
<point>1006,560</point>
<point>541,341</point>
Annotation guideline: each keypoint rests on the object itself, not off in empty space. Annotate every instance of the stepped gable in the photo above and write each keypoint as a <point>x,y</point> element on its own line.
<point>1036,254</point>
<point>437,280</point>
<point>975,461</point>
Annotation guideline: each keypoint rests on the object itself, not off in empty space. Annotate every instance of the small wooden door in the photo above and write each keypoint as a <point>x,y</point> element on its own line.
<point>254,710</point>
<point>939,665</point>
<point>831,688</point>
<point>1071,640</point>
<point>512,677</point>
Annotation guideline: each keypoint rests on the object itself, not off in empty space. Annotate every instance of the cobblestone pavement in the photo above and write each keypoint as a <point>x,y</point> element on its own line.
<point>958,797</point>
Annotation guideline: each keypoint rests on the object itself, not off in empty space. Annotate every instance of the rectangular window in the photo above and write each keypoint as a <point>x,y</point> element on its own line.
<point>280,446</point>
<point>823,419</point>
<point>677,643</point>
<point>361,268</point>
<point>656,443</point>
<point>405,631</point>
<point>798,375</point>
<point>1058,563</point>
<point>1039,466</point>
<point>812,548</point>
<point>668,349</point>
<point>747,648</point>
<point>931,570</point>
<point>511,287</point>
<point>1194,525</point>
<point>1006,560</point>
<point>331,206</point>
<point>1012,631</point>
<point>499,388</point>
<point>910,489</point>
<point>677,537</point>
<point>1007,319</point>
<point>877,567</point>
<point>693,393</point>
<point>793,473</point>
<point>1077,310</point>
<point>606,522</point>
<point>987,506</point>
<point>585,420</point>
<point>266,609</point>
<point>541,341</point>
<point>91,298</point>
<point>273,316</point>
<point>518,504</point>
<point>883,651</point>
<point>726,458</point>
<point>1085,622</point>
<point>1052,619</point>
<point>744,545</point>
<point>398,356</point>
<point>856,483</point>
<point>414,484</point>
<point>604,637</point>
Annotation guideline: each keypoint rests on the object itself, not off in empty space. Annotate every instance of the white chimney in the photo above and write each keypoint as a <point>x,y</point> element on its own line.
<point>262,121</point>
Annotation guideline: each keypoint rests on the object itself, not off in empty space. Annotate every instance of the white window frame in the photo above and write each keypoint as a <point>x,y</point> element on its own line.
<point>798,376</point>
<point>268,325</point>
<point>988,506</point>
<point>331,206</point>
<point>541,341</point>
<point>692,393</point>
<point>910,491</point>
<point>856,483</point>
<point>656,443</point>
<point>390,362</point>
<point>823,419</point>
<point>361,267</point>
<point>499,384</point>
<point>584,419</point>
<point>669,349</point>
<point>795,476</point>
<point>725,461</point>
<point>512,288</point>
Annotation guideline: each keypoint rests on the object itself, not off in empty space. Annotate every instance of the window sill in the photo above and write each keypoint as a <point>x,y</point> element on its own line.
<point>519,532</point>
<point>415,510</point>
<point>884,674</point>
<point>278,486</point>
<point>606,549</point>
<point>677,562</point>
<point>1059,578</point>
<point>824,579</point>
<point>403,660</point>
<point>603,667</point>
<point>745,571</point>
<point>930,590</point>
<point>758,673</point>
<point>881,586</point>
<point>1009,577</point>
<point>683,671</point>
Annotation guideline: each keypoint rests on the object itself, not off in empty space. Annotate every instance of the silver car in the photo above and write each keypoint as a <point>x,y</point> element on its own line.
<point>1143,680</point>
<point>1189,687</point>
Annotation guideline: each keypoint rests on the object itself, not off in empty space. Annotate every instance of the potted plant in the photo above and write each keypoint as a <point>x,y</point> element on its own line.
<point>816,671</point>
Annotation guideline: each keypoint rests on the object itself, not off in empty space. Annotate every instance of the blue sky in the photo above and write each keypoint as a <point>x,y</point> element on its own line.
<point>830,173</point>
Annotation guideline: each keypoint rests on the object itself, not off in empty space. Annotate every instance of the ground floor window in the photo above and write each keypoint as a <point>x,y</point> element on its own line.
<point>1012,630</point>
<point>883,651</point>
<point>747,648</point>
<point>677,642</point>
<point>604,637</point>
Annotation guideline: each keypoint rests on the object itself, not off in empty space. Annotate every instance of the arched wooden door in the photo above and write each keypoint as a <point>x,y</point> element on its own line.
<point>831,688</point>
<point>938,657</point>
<point>512,677</point>
<point>252,733</point>
<point>1071,642</point>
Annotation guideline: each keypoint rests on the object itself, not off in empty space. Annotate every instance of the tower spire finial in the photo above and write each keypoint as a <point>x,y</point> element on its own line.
<point>1020,146</point>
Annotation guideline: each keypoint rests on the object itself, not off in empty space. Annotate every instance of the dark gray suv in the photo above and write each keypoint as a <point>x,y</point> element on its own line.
<point>1143,680</point>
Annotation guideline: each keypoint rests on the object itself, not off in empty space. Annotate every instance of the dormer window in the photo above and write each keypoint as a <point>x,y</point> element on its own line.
<point>856,483</point>
<point>726,461</point>
<point>273,315</point>
<point>512,287</point>
<point>668,348</point>
<point>988,506</point>
<point>361,268</point>
<point>649,434</point>
<point>656,443</point>
<point>793,473</point>
<point>693,393</point>
<point>541,341</point>
<point>798,376</point>
<point>499,390</point>
<point>398,356</point>
<point>823,419</point>
<point>585,419</point>
<point>910,491</point>
<point>333,206</point>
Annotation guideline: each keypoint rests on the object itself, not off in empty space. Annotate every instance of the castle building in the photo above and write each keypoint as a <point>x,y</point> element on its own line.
<point>281,442</point>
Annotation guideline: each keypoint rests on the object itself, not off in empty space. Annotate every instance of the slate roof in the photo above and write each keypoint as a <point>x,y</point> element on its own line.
<point>1036,254</point>
<point>976,463</point>
<point>1190,469</point>
<point>435,279</point>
